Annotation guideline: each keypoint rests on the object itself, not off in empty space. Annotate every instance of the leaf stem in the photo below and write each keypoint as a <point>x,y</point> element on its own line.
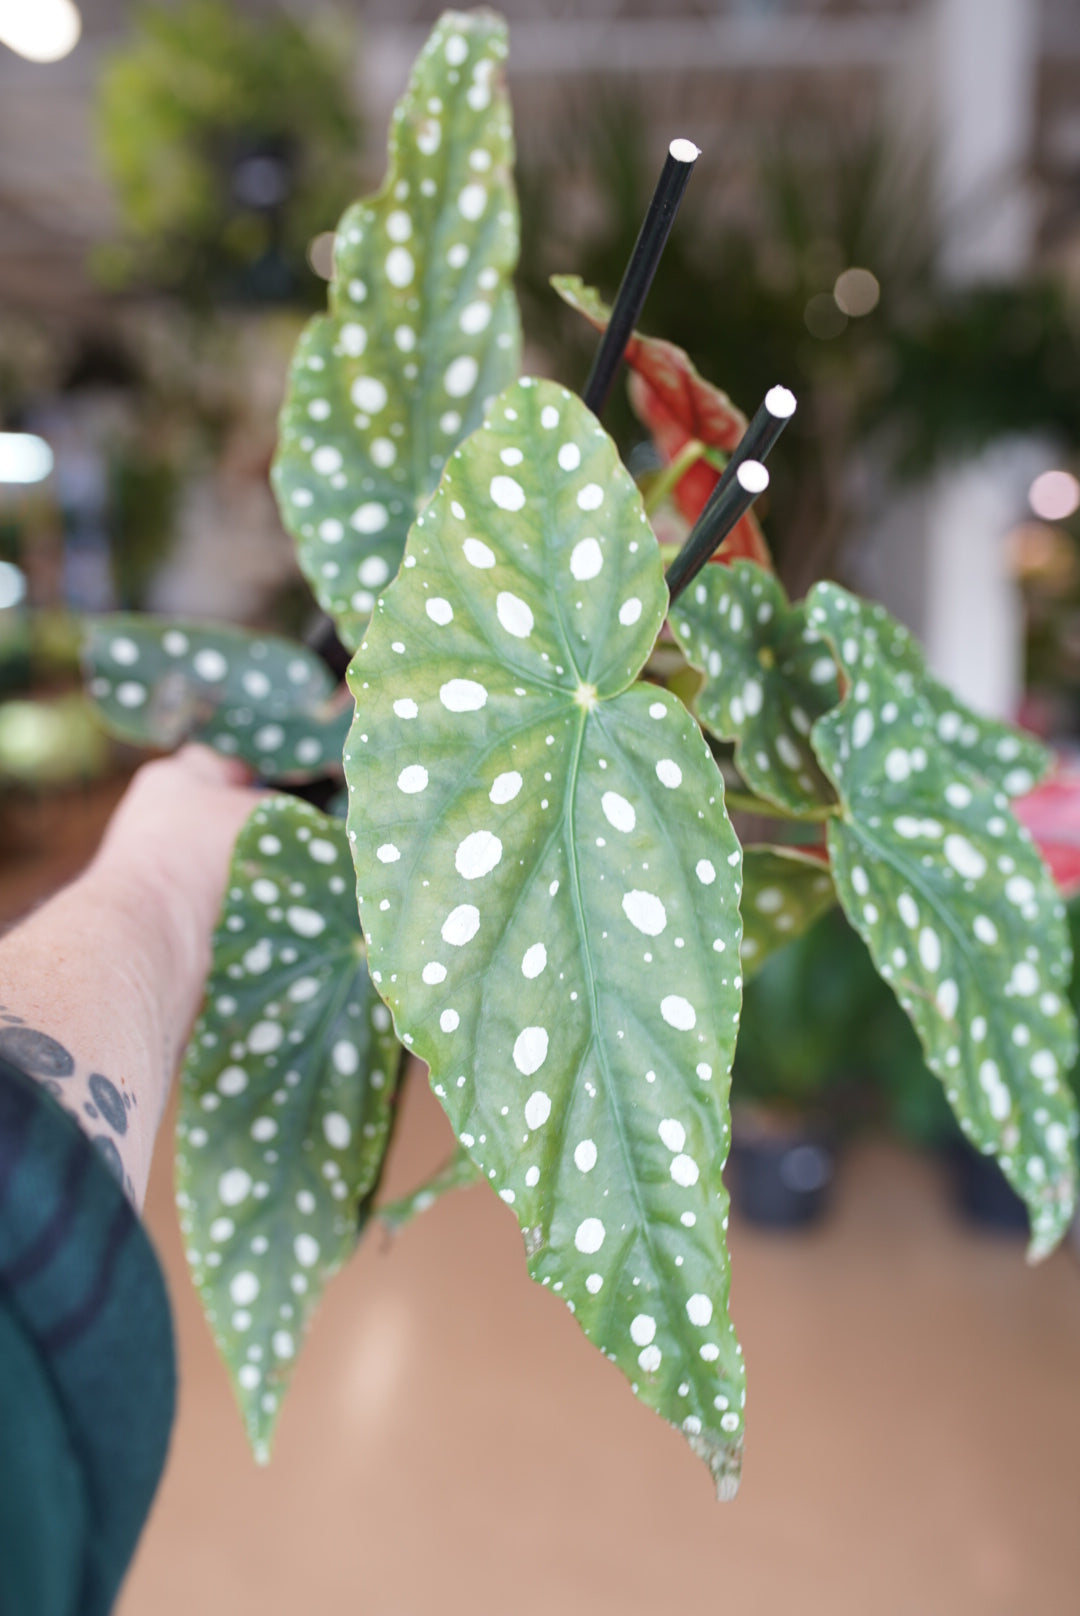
<point>455,1174</point>
<point>744,802</point>
<point>672,475</point>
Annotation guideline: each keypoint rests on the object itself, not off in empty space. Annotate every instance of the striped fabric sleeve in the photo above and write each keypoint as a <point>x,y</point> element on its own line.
<point>87,1365</point>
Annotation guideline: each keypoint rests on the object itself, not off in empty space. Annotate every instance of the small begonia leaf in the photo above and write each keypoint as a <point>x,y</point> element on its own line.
<point>253,696</point>
<point>768,676</point>
<point>456,1174</point>
<point>784,892</point>
<point>959,914</point>
<point>671,397</point>
<point>1007,757</point>
<point>423,326</point>
<point>286,1097</point>
<point>549,887</point>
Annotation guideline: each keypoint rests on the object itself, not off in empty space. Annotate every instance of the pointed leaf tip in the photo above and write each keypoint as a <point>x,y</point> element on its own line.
<point>285,1100</point>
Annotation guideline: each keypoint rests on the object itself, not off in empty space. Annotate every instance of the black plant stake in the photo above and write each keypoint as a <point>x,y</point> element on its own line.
<point>716,522</point>
<point>743,479</point>
<point>674,177</point>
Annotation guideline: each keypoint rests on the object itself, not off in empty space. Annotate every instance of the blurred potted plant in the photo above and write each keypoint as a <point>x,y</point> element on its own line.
<point>231,143</point>
<point>795,1051</point>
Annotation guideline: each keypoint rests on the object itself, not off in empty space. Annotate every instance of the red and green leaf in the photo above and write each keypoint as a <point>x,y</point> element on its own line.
<point>671,397</point>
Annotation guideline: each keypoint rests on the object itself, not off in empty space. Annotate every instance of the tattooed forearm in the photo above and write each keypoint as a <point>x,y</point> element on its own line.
<point>99,1106</point>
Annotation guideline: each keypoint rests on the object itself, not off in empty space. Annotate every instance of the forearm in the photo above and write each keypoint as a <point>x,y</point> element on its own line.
<point>99,989</point>
<point>98,993</point>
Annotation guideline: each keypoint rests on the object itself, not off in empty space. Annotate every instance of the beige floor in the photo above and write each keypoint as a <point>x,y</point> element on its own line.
<point>452,1443</point>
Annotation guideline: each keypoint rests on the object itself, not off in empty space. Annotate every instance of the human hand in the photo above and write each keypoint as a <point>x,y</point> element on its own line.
<point>170,841</point>
<point>102,984</point>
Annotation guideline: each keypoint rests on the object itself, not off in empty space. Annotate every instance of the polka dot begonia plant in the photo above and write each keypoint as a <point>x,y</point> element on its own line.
<point>538,868</point>
<point>251,696</point>
<point>784,892</point>
<point>286,1097</point>
<point>423,325</point>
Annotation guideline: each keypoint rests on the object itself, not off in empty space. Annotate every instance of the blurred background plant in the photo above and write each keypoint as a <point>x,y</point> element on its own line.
<point>231,144</point>
<point>824,276</point>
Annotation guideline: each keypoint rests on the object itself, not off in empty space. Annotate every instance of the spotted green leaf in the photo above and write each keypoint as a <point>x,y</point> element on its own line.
<point>285,1100</point>
<point>423,325</point>
<point>253,696</point>
<point>959,913</point>
<point>1008,757</point>
<point>549,887</point>
<point>457,1174</point>
<point>784,892</point>
<point>768,676</point>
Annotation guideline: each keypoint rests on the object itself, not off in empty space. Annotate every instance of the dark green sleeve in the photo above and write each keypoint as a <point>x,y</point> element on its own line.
<point>87,1365</point>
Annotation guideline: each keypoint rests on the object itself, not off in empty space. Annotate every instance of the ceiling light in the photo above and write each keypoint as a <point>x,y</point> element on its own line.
<point>24,458</point>
<point>40,30</point>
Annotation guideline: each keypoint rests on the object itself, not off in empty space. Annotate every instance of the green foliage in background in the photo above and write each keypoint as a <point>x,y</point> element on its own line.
<point>201,88</point>
<point>822,1036</point>
<point>747,288</point>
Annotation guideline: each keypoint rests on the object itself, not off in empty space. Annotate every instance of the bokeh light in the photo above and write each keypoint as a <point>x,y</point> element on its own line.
<point>320,254</point>
<point>857,292</point>
<point>24,458</point>
<point>824,318</point>
<point>1042,555</point>
<point>1054,495</point>
<point>40,30</point>
<point>12,585</point>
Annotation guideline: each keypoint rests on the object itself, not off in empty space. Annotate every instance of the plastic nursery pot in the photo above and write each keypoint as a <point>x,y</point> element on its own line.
<point>981,1193</point>
<point>780,1170</point>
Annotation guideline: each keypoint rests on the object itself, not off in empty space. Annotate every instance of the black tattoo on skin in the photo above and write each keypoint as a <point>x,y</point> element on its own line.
<point>35,1052</point>
<point>44,1058</point>
<point>109,1101</point>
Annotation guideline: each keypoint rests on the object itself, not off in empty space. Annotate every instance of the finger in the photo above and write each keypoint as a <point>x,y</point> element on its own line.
<point>204,764</point>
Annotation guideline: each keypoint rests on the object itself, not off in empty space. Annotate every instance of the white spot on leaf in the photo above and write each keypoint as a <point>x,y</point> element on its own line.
<point>530,1050</point>
<point>478,855</point>
<point>514,614</point>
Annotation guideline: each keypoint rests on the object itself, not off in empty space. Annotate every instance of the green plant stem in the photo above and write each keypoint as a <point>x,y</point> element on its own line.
<point>744,802</point>
<point>673,474</point>
<point>456,1174</point>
